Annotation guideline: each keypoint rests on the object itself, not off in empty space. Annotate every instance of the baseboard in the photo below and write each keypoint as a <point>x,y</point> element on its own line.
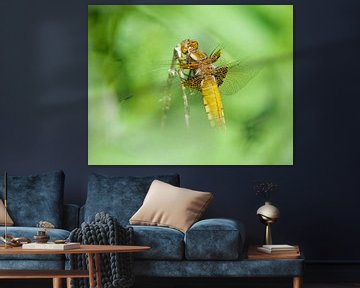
<point>206,282</point>
<point>332,271</point>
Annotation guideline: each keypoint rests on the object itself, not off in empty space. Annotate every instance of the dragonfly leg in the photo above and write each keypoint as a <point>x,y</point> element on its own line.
<point>166,102</point>
<point>186,106</point>
<point>191,66</point>
<point>175,59</point>
<point>215,56</point>
<point>185,100</point>
<point>179,63</point>
<point>172,73</point>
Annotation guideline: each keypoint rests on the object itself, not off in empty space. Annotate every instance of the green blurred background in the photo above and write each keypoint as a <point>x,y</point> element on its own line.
<point>129,51</point>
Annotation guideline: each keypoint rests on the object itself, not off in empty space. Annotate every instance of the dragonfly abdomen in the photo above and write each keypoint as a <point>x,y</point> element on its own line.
<point>212,102</point>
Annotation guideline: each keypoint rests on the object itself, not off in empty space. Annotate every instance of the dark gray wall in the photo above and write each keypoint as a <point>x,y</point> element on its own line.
<point>43,102</point>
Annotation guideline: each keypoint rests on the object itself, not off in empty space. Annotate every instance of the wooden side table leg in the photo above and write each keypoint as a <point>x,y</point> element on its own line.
<point>91,270</point>
<point>57,283</point>
<point>98,270</point>
<point>297,282</point>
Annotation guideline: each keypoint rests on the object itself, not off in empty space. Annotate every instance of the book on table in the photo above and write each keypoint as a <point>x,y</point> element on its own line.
<point>255,254</point>
<point>51,246</point>
<point>278,249</point>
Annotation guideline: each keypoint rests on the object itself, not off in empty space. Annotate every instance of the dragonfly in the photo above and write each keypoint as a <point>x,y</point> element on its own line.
<point>198,72</point>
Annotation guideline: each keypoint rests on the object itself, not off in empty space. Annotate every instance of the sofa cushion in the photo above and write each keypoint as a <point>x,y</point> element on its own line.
<point>120,196</point>
<point>35,198</point>
<point>214,239</point>
<point>9,221</point>
<point>169,206</point>
<point>165,243</point>
<point>29,232</point>
<point>213,269</point>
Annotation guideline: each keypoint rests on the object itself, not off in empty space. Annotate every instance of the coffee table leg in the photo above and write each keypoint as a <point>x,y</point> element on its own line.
<point>297,282</point>
<point>98,270</point>
<point>68,282</point>
<point>57,283</point>
<point>91,270</point>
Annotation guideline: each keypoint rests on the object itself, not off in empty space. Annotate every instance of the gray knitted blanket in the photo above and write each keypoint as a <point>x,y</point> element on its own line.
<point>116,268</point>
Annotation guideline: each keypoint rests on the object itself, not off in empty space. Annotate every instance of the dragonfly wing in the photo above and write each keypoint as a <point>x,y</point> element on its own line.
<point>215,55</point>
<point>167,97</point>
<point>193,83</point>
<point>220,74</point>
<point>237,76</point>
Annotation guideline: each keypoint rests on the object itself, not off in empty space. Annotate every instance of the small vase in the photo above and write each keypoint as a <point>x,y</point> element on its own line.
<point>268,214</point>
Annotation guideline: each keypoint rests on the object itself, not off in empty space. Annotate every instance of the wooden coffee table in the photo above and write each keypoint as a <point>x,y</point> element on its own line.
<point>57,275</point>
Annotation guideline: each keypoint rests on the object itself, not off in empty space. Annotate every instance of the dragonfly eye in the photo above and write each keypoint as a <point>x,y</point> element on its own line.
<point>194,44</point>
<point>189,46</point>
<point>185,46</point>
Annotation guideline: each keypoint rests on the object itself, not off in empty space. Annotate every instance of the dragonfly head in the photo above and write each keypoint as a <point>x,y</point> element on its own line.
<point>188,46</point>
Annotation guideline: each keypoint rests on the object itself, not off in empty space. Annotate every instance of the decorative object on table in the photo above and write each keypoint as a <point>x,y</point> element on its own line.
<point>41,236</point>
<point>11,241</point>
<point>60,241</point>
<point>45,225</point>
<point>116,268</point>
<point>268,213</point>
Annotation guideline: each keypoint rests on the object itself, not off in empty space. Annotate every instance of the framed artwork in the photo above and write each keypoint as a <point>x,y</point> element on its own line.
<point>190,85</point>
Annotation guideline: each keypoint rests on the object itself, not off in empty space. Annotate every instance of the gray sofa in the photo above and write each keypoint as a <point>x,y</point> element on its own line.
<point>210,248</point>
<point>32,199</point>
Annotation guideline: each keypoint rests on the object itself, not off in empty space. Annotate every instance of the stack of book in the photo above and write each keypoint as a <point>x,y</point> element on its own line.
<point>282,251</point>
<point>51,246</point>
<point>279,249</point>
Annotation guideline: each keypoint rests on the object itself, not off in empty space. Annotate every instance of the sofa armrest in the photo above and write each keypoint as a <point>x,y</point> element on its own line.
<point>215,239</point>
<point>71,216</point>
